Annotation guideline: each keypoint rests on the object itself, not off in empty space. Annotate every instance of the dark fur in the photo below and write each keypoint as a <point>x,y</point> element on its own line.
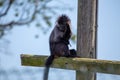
<point>58,42</point>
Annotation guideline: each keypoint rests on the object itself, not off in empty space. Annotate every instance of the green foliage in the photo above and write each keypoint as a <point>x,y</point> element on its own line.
<point>1,33</point>
<point>1,3</point>
<point>21,3</point>
<point>33,17</point>
<point>38,25</point>
<point>73,37</point>
<point>16,14</point>
<point>47,20</point>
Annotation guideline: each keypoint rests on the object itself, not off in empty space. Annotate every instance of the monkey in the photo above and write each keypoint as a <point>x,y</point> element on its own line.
<point>58,42</point>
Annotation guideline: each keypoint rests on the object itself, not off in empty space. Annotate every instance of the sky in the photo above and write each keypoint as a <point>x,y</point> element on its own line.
<point>22,39</point>
<point>109,29</point>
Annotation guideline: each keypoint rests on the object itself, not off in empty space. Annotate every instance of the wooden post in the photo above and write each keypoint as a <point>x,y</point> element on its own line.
<point>86,34</point>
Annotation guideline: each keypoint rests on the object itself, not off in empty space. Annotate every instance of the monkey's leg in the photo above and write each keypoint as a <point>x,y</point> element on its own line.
<point>73,53</point>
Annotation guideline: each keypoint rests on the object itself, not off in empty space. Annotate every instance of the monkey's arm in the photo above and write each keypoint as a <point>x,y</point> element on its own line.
<point>57,34</point>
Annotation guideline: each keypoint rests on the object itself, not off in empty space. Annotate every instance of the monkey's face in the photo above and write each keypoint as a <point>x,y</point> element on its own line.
<point>66,24</point>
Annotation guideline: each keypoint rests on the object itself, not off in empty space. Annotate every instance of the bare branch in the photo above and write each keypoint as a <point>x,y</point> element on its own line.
<point>21,21</point>
<point>17,22</point>
<point>6,11</point>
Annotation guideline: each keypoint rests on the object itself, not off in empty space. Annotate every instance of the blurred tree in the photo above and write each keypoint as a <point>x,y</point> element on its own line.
<point>32,13</point>
<point>24,12</point>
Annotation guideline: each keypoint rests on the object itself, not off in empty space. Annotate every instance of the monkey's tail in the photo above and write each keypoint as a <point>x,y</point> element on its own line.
<point>49,60</point>
<point>46,72</point>
<point>47,66</point>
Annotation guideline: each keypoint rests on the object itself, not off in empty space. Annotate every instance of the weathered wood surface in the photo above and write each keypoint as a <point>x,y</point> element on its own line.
<point>87,33</point>
<point>80,64</point>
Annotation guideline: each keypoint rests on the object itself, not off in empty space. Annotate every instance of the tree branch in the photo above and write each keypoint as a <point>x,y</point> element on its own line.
<point>21,21</point>
<point>6,11</point>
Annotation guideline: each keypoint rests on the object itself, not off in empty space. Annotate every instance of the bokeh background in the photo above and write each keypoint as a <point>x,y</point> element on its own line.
<point>25,26</point>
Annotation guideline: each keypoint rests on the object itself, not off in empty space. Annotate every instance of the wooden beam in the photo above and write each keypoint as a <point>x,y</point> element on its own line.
<point>87,34</point>
<point>84,65</point>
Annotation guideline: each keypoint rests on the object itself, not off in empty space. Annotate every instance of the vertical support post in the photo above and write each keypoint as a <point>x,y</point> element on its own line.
<point>87,34</point>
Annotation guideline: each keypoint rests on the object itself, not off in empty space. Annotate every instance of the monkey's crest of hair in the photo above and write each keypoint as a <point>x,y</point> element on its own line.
<point>63,19</point>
